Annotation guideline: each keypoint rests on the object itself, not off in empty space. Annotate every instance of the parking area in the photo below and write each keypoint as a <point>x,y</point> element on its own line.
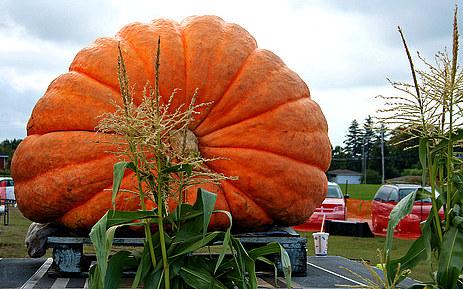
<point>322,272</point>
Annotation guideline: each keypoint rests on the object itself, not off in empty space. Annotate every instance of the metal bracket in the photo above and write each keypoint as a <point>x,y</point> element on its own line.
<point>5,209</point>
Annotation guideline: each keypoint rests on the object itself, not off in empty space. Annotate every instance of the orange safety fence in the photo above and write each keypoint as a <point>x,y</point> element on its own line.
<point>358,209</point>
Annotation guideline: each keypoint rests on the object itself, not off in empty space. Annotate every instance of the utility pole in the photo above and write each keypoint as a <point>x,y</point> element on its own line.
<point>364,163</point>
<point>382,155</point>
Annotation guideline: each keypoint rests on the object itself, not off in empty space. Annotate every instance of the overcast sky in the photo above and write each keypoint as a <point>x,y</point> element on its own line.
<point>344,50</point>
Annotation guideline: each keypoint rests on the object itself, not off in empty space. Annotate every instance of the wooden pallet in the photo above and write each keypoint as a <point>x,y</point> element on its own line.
<point>69,257</point>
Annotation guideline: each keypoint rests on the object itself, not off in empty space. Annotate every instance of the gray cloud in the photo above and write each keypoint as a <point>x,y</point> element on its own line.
<point>16,109</point>
<point>61,21</point>
<point>420,20</point>
<point>372,50</point>
<point>25,61</point>
<point>342,49</point>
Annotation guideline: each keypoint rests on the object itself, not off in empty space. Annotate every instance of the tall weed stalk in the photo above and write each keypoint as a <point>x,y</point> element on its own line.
<point>431,111</point>
<point>154,142</point>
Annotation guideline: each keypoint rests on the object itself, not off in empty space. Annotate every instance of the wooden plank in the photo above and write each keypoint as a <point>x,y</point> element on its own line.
<point>60,283</point>
<point>69,258</point>
<point>38,275</point>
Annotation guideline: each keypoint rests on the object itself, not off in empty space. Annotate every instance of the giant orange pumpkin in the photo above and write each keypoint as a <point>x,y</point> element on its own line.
<point>262,120</point>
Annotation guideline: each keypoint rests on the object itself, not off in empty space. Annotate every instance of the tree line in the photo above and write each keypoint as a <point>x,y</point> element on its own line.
<point>367,149</point>
<point>7,147</point>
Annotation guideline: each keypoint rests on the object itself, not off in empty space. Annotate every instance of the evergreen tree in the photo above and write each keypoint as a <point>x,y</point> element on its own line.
<point>369,143</point>
<point>404,152</point>
<point>353,147</point>
<point>338,158</point>
<point>375,160</point>
<point>369,137</point>
<point>400,152</point>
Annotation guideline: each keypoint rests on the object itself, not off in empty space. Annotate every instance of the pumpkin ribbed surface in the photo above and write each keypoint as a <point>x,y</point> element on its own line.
<point>262,120</point>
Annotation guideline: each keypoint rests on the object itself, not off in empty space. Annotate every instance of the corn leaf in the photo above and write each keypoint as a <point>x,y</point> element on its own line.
<point>102,237</point>
<point>177,263</point>
<point>195,219</point>
<point>194,244</point>
<point>118,174</point>
<point>115,268</point>
<point>246,262</point>
<point>444,143</point>
<point>415,254</point>
<point>124,217</point>
<point>208,200</point>
<point>179,168</point>
<point>422,155</point>
<point>98,238</point>
<point>154,280</point>
<point>226,242</point>
<point>144,266</point>
<point>95,280</point>
<point>199,278</point>
<point>451,258</point>
<point>426,234</point>
<point>275,248</point>
<point>423,286</point>
<point>457,195</point>
<point>402,209</point>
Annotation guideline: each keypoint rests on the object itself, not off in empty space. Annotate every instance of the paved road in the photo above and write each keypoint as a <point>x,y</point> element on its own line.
<point>322,272</point>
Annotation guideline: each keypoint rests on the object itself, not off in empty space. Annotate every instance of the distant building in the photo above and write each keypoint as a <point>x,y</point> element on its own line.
<point>343,176</point>
<point>3,162</point>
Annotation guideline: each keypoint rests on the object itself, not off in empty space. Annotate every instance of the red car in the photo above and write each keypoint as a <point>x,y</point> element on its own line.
<point>333,208</point>
<point>7,188</point>
<point>387,197</point>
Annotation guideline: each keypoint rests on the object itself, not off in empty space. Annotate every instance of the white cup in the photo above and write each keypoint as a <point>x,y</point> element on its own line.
<point>321,243</point>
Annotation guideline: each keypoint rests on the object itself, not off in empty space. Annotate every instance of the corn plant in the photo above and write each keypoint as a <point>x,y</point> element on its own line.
<point>153,142</point>
<point>377,282</point>
<point>431,111</point>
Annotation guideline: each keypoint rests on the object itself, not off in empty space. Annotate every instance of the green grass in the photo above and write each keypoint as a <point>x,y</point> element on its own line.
<point>12,244</point>
<point>361,192</point>
<point>13,235</point>
<point>12,238</point>
<point>358,248</point>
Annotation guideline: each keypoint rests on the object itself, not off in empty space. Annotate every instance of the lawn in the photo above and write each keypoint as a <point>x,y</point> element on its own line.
<point>12,244</point>
<point>358,248</point>
<point>361,192</point>
<point>12,237</point>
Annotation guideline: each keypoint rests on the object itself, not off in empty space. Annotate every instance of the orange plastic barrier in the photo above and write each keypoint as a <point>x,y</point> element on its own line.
<point>358,209</point>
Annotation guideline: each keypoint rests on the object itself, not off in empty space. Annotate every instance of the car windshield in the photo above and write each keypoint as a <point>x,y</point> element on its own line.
<point>404,192</point>
<point>334,192</point>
